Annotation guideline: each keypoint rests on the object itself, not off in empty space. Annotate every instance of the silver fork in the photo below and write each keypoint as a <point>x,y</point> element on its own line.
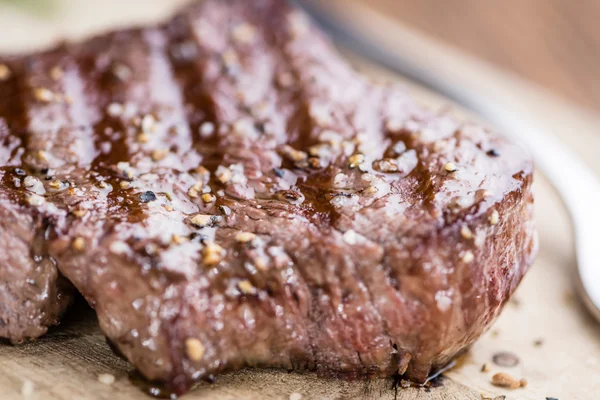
<point>577,185</point>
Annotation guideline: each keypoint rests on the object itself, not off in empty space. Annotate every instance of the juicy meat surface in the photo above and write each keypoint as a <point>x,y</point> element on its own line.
<point>33,294</point>
<point>225,191</point>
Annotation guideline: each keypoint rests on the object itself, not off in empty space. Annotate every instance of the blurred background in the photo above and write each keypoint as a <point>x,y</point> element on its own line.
<point>554,43</point>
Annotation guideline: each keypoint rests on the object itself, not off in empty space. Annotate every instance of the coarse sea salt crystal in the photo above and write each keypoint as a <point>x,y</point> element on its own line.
<point>350,237</point>
<point>443,300</point>
<point>118,247</point>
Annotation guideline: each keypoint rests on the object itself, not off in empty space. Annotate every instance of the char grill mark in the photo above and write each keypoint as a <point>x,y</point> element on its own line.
<point>58,117</point>
<point>119,67</point>
<point>133,101</point>
<point>189,62</point>
<point>175,133</point>
<point>238,84</point>
<point>12,115</point>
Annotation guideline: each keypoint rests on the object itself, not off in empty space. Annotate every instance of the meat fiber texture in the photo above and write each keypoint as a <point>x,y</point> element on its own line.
<point>226,191</point>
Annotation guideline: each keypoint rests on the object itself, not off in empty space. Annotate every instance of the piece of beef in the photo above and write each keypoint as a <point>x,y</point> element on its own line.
<point>33,294</point>
<point>242,197</point>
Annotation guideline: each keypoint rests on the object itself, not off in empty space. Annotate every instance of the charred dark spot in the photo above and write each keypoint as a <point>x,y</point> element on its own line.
<point>147,197</point>
<point>195,236</point>
<point>20,172</point>
<point>184,51</point>
<point>343,194</point>
<point>260,126</point>
<point>230,70</point>
<point>493,153</point>
<point>225,210</point>
<point>296,297</point>
<point>199,237</point>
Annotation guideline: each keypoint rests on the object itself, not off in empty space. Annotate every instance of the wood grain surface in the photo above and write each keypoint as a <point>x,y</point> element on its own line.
<point>557,343</point>
<point>555,43</point>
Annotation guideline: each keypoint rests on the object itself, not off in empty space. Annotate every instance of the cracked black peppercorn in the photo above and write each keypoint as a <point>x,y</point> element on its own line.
<point>148,196</point>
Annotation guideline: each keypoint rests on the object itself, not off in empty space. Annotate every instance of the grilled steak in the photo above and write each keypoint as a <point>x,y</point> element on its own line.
<point>225,191</point>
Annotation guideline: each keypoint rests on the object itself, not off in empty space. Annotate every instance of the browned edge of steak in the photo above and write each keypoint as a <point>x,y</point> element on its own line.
<point>33,294</point>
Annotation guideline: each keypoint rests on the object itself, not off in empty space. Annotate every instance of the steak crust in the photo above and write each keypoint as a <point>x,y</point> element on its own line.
<point>226,191</point>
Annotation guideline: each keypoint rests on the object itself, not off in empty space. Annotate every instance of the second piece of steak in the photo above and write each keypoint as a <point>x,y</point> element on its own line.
<point>242,197</point>
<point>33,294</point>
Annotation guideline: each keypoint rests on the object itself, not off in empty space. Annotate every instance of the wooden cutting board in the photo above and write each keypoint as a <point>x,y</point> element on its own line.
<point>556,342</point>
